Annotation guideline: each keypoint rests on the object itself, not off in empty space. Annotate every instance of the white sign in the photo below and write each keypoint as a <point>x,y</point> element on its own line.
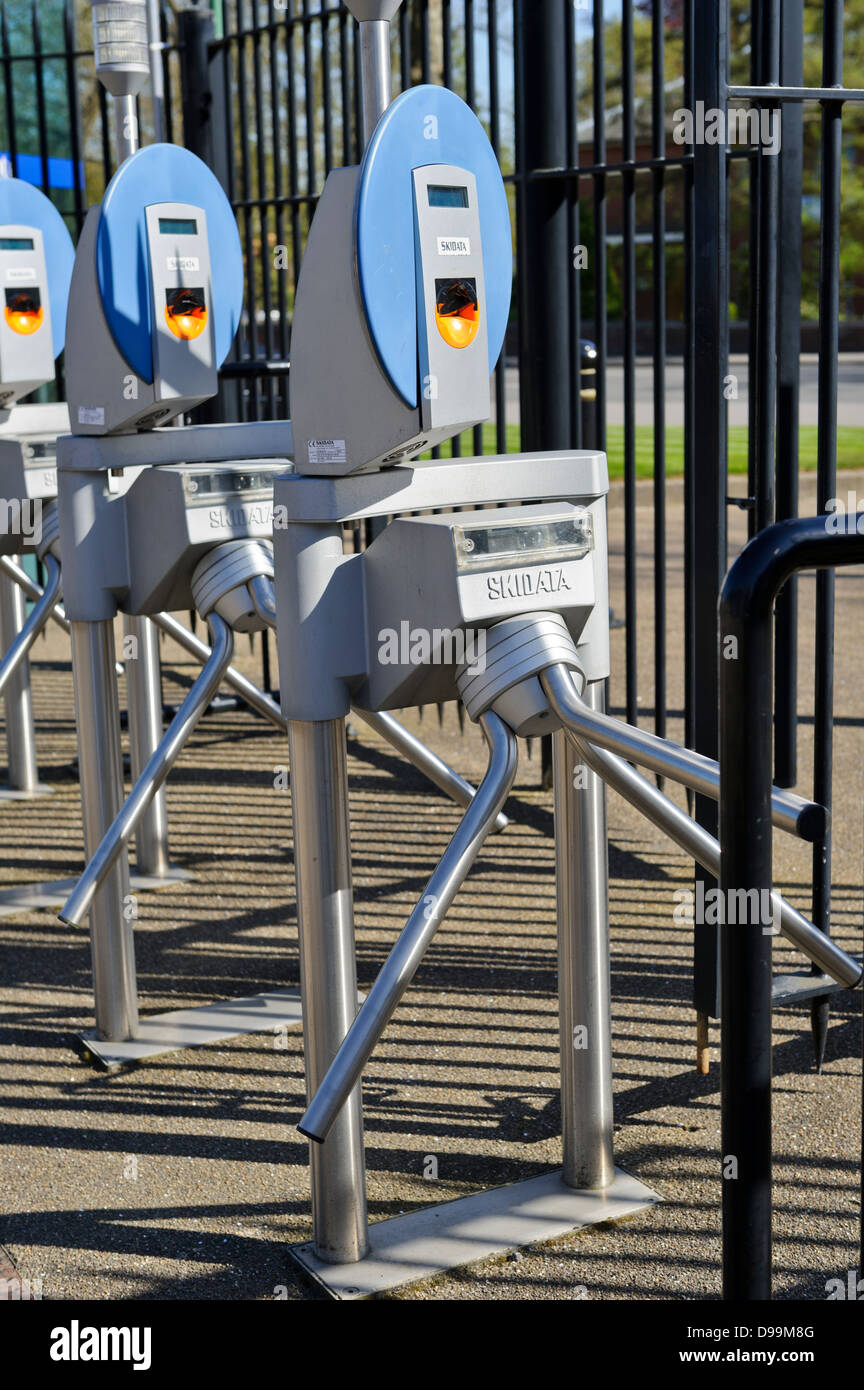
<point>327,451</point>
<point>183,263</point>
<point>21,274</point>
<point>454,246</point>
<point>91,415</point>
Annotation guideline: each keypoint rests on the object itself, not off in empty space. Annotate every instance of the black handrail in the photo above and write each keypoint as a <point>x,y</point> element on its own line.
<point>746,702</point>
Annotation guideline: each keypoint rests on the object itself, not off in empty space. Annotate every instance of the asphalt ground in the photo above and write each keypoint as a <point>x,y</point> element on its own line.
<point>186,1179</point>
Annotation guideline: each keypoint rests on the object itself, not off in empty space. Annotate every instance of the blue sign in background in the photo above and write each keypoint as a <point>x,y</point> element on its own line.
<point>61,172</point>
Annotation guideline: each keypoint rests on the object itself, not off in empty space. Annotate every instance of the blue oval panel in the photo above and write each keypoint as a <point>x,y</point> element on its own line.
<point>162,174</point>
<point>425,125</point>
<point>25,206</point>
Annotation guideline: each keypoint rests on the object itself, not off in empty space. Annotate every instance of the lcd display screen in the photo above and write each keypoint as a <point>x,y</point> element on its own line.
<point>16,243</point>
<point>443,196</point>
<point>178,226</point>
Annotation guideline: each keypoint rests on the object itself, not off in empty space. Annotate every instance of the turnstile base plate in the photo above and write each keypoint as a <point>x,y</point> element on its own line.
<point>38,897</point>
<point>185,1028</point>
<point>13,794</point>
<point>486,1225</point>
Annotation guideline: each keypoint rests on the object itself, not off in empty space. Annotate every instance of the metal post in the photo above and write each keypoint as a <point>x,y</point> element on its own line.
<point>746,710</point>
<point>711,341</point>
<point>125,126</point>
<point>144,699</point>
<point>545,258</point>
<point>583,965</point>
<point>328,977</point>
<point>98,719</point>
<point>375,67</point>
<point>18,698</point>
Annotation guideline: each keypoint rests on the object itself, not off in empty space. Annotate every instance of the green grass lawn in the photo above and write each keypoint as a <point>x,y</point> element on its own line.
<point>850,448</point>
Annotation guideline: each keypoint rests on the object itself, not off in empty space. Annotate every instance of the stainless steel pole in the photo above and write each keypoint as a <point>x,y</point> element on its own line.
<point>18,697</point>
<point>144,699</point>
<point>401,965</point>
<point>101,775</point>
<point>328,976</point>
<point>582,874</point>
<point>152,775</point>
<point>125,126</point>
<point>375,67</point>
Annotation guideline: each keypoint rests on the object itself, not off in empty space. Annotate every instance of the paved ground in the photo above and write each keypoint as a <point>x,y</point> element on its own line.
<point>186,1178</point>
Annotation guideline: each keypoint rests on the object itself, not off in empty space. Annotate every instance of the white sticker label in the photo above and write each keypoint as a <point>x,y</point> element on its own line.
<point>327,451</point>
<point>182,263</point>
<point>21,274</point>
<point>454,246</point>
<point>91,415</point>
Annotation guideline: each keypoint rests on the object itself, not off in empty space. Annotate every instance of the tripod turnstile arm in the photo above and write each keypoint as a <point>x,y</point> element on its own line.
<point>400,966</point>
<point>794,814</point>
<point>32,589</point>
<point>39,616</point>
<point>153,774</point>
<point>675,823</point>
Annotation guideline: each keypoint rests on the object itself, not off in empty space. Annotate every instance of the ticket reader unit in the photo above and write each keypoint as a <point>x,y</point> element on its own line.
<point>404,293</point>
<point>36,257</point>
<point>402,307</point>
<point>152,518</point>
<point>142,295</point>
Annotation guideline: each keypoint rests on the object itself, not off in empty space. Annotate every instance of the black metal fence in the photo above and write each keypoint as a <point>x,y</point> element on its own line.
<point>632,229</point>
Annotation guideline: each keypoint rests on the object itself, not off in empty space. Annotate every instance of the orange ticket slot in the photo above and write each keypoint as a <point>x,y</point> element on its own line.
<point>457,312</point>
<point>24,313</point>
<point>186,313</point>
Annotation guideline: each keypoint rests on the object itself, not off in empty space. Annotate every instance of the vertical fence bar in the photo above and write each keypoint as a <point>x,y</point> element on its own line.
<point>764,301</point>
<point>74,115</point>
<point>658,239</point>
<point>711,330</point>
<point>574,305</point>
<point>495,139</point>
<point>39,76</point>
<point>598,86</point>
<point>826,479</point>
<point>628,311</point>
<point>8,91</point>
<point>689,402</point>
<point>788,388</point>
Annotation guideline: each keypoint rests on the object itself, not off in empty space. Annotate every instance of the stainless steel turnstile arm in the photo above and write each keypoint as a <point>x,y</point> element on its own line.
<point>39,615</point>
<point>154,773</point>
<point>32,590</point>
<point>695,841</point>
<point>400,966</point>
<point>794,814</point>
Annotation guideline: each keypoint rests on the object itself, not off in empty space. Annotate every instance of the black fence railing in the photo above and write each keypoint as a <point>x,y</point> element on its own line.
<point>746,707</point>
<point>662,246</point>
